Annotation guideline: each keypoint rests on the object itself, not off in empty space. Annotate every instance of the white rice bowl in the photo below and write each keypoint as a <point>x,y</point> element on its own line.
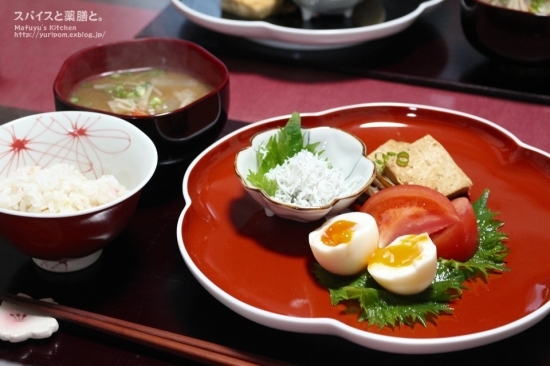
<point>59,200</point>
<point>97,146</point>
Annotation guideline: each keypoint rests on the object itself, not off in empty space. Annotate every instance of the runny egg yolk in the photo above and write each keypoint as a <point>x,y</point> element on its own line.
<point>343,243</point>
<point>339,232</point>
<point>398,255</point>
<point>406,266</point>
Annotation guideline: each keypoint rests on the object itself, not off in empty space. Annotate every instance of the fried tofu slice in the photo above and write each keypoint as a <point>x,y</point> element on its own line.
<point>252,9</point>
<point>429,165</point>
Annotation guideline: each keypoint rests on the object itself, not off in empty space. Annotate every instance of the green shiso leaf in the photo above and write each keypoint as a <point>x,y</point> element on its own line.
<point>380,308</point>
<point>286,143</point>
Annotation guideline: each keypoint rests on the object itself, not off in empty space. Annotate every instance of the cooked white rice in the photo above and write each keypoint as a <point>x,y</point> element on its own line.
<point>57,189</point>
<point>308,180</point>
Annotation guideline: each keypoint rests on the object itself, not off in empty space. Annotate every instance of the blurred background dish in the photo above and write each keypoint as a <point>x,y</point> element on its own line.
<point>95,145</point>
<point>507,35</point>
<point>372,19</point>
<point>178,134</point>
<point>310,8</point>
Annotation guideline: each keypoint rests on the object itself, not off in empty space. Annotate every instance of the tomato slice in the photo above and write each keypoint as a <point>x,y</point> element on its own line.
<point>459,241</point>
<point>409,209</point>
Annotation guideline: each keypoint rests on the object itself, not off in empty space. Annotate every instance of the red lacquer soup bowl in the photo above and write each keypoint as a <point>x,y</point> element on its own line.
<point>178,134</point>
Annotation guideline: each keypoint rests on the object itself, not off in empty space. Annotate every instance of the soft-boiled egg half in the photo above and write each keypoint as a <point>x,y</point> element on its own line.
<point>344,243</point>
<point>406,266</point>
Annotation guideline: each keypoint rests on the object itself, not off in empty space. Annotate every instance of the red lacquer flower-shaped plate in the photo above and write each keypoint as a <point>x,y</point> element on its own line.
<point>261,267</point>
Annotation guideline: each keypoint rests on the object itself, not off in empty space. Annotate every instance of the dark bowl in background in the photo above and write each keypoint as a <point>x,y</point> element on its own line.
<point>505,35</point>
<point>178,135</point>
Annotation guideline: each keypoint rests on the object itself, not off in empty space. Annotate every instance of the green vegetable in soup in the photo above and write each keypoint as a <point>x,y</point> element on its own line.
<point>541,7</point>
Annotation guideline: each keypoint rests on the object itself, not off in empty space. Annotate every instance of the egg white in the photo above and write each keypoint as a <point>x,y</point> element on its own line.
<point>346,258</point>
<point>412,278</point>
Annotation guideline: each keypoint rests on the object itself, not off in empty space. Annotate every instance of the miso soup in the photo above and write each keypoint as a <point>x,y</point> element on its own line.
<point>143,92</point>
<point>541,7</point>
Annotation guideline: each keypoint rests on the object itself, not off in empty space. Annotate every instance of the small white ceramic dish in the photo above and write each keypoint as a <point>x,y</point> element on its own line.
<point>18,324</point>
<point>208,14</point>
<point>343,150</point>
